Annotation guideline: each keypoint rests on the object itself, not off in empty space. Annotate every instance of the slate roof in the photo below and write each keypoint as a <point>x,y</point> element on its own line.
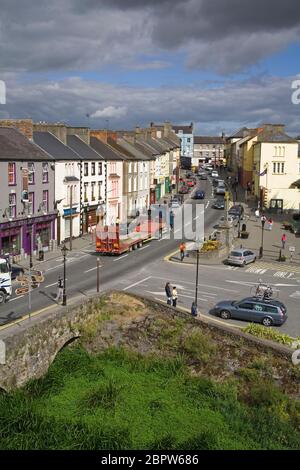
<point>184,129</point>
<point>135,151</point>
<point>202,139</point>
<point>275,135</point>
<point>106,150</point>
<point>85,151</point>
<point>14,146</point>
<point>54,146</point>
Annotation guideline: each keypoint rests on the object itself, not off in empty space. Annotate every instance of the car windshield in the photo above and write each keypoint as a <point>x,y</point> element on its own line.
<point>3,267</point>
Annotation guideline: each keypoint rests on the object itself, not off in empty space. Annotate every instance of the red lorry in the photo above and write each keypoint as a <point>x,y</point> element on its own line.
<point>115,241</point>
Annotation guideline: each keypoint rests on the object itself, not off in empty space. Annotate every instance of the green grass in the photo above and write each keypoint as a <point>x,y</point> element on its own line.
<point>121,400</point>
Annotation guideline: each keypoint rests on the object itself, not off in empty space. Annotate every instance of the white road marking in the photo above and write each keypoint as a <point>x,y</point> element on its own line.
<point>144,247</point>
<point>55,267</point>
<point>207,205</point>
<point>16,298</point>
<point>201,285</point>
<point>93,269</point>
<point>121,257</point>
<point>180,295</point>
<point>51,285</point>
<point>295,295</point>
<point>136,283</point>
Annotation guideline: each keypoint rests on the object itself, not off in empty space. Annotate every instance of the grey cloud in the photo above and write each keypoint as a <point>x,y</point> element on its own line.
<point>213,106</point>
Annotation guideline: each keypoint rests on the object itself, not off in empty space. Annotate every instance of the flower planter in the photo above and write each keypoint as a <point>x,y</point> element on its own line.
<point>244,234</point>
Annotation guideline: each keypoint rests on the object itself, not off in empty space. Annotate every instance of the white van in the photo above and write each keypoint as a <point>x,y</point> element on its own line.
<point>5,281</point>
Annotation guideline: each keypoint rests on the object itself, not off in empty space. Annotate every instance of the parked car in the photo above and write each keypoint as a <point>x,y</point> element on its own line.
<point>241,257</point>
<point>16,271</point>
<point>209,168</point>
<point>214,174</point>
<point>268,312</point>
<point>199,194</point>
<point>220,191</point>
<point>203,177</point>
<point>218,204</point>
<point>174,204</point>
<point>236,211</point>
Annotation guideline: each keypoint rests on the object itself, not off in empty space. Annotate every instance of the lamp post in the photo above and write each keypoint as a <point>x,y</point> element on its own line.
<point>263,221</point>
<point>239,227</point>
<point>64,250</point>
<point>197,274</point>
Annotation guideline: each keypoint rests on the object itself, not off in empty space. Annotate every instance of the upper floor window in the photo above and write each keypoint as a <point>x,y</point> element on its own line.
<point>31,171</point>
<point>93,171</point>
<point>85,192</point>
<point>12,201</point>
<point>113,168</point>
<point>278,168</point>
<point>99,190</point>
<point>86,169</point>
<point>45,173</point>
<point>11,174</point>
<point>46,200</point>
<point>100,168</point>
<point>93,190</point>
<point>31,203</point>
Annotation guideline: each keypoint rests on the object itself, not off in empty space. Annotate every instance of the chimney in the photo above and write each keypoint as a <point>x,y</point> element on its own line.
<point>82,132</point>
<point>274,127</point>
<point>167,128</point>
<point>23,125</point>
<point>102,134</point>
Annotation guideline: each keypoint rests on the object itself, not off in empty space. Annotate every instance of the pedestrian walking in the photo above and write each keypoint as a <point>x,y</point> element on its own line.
<point>283,241</point>
<point>168,293</point>
<point>60,289</point>
<point>257,214</point>
<point>174,296</point>
<point>171,220</point>
<point>194,309</point>
<point>160,215</point>
<point>182,250</point>
<point>270,224</point>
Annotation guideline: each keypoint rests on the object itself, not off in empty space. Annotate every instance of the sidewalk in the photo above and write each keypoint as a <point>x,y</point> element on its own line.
<point>78,244</point>
<point>271,238</point>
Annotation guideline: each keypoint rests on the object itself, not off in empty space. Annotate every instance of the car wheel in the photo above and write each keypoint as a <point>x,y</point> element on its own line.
<point>225,314</point>
<point>2,298</point>
<point>244,263</point>
<point>267,321</point>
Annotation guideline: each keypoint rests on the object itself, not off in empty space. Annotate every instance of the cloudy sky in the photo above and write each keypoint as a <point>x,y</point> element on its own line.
<point>121,63</point>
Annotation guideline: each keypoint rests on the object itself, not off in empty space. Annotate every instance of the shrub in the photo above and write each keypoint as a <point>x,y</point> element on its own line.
<point>268,333</point>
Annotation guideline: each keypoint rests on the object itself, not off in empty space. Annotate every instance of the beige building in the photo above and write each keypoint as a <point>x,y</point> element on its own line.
<point>277,169</point>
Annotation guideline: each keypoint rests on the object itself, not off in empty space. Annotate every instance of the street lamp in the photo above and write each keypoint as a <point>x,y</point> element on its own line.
<point>197,274</point>
<point>263,221</point>
<point>64,250</point>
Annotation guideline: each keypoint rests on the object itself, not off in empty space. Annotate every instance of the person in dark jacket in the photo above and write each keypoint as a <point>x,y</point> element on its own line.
<point>194,309</point>
<point>168,293</point>
<point>60,289</point>
<point>171,220</point>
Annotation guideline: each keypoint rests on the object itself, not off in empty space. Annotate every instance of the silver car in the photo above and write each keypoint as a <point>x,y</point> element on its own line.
<point>241,257</point>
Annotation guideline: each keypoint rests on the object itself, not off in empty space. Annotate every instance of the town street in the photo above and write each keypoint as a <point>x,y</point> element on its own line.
<point>144,271</point>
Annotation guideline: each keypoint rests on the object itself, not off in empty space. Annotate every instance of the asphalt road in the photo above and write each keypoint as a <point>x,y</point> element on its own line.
<point>144,271</point>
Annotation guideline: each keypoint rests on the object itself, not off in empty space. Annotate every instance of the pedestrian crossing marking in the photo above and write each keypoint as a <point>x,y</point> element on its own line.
<point>274,267</point>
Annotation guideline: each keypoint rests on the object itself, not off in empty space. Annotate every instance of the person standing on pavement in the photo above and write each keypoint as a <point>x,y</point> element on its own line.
<point>171,220</point>
<point>168,293</point>
<point>182,250</point>
<point>60,289</point>
<point>283,241</point>
<point>174,297</point>
<point>160,215</point>
<point>257,214</point>
<point>270,224</point>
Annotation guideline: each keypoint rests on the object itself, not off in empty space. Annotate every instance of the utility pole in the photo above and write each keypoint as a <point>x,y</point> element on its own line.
<point>197,276</point>
<point>71,216</point>
<point>98,274</point>
<point>64,252</point>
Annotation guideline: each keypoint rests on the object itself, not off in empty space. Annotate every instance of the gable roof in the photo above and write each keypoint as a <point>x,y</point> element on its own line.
<point>275,135</point>
<point>85,151</point>
<point>52,145</point>
<point>106,150</point>
<point>15,146</point>
<point>137,153</point>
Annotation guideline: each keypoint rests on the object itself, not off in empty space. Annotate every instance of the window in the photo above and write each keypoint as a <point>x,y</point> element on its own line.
<point>115,188</point>
<point>11,174</point>
<point>45,173</point>
<point>93,190</point>
<point>188,139</point>
<point>99,189</point>
<point>12,205</point>
<point>31,171</point>
<point>93,172</point>
<point>278,168</point>
<point>270,309</point>
<point>86,169</point>
<point>46,200</point>
<point>31,203</point>
<point>113,168</point>
<point>85,192</point>
<point>246,306</point>
<point>100,169</point>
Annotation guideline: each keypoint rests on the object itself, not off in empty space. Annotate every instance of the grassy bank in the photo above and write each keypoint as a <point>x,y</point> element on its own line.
<point>121,400</point>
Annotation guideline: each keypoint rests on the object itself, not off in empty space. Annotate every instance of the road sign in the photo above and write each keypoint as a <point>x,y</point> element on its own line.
<point>292,249</point>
